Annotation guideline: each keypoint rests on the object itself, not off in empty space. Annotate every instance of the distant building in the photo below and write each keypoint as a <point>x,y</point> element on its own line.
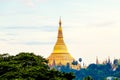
<point>112,78</point>
<point>60,55</point>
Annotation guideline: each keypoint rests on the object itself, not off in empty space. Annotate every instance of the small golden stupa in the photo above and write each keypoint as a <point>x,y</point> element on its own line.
<point>60,54</point>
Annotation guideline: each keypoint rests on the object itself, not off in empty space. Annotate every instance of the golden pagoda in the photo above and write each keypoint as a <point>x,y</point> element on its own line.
<point>60,54</point>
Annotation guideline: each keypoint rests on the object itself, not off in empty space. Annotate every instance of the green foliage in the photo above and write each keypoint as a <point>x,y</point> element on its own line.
<point>27,66</point>
<point>88,78</point>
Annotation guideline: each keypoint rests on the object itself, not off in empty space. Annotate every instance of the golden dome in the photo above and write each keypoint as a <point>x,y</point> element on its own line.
<point>60,53</point>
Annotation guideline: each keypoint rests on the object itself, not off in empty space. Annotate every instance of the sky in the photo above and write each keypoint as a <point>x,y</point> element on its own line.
<point>91,28</point>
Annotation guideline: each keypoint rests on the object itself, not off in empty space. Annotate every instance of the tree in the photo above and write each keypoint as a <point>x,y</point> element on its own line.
<point>75,62</point>
<point>88,78</point>
<point>115,62</point>
<point>80,59</point>
<point>28,66</point>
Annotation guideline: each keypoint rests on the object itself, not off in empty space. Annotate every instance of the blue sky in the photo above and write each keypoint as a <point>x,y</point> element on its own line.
<point>91,27</point>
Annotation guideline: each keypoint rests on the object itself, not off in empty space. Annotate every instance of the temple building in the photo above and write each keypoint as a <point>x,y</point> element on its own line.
<point>97,61</point>
<point>60,54</point>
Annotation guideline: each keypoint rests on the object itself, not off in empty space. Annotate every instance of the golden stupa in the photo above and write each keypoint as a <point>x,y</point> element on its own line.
<point>60,54</point>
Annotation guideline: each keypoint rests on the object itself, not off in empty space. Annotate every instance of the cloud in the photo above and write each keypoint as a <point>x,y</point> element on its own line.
<point>40,0</point>
<point>37,43</point>
<point>1,39</point>
<point>14,35</point>
<point>28,3</point>
<point>33,28</point>
<point>106,24</point>
<point>31,3</point>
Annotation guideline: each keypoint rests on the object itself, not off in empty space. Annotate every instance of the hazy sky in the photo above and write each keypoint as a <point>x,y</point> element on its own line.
<point>91,27</point>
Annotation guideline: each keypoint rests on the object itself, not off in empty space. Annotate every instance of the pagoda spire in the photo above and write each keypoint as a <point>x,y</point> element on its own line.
<point>60,34</point>
<point>60,46</point>
<point>60,22</point>
<point>97,61</point>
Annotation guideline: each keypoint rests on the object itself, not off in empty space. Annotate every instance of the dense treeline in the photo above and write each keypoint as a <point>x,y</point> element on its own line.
<point>27,66</point>
<point>95,71</point>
